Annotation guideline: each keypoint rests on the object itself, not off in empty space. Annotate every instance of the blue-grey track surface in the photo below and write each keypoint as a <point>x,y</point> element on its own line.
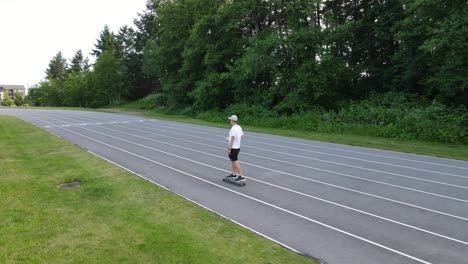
<point>337,203</point>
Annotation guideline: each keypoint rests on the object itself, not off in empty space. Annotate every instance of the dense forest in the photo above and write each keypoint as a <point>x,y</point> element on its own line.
<point>368,62</point>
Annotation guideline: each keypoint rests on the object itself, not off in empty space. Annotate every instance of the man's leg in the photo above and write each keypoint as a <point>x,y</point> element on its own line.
<point>234,167</point>
<point>238,168</point>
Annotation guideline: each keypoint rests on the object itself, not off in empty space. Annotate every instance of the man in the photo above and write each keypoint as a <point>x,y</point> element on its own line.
<point>234,139</point>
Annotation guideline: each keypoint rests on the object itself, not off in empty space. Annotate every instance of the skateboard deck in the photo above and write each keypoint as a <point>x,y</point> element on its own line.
<point>234,182</point>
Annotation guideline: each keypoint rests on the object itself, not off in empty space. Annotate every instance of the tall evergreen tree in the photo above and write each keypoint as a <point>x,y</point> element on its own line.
<point>106,42</point>
<point>57,69</point>
<point>79,63</point>
<point>138,82</point>
<point>145,23</point>
<point>164,52</point>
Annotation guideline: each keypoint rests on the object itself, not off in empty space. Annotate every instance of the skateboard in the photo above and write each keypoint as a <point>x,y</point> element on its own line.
<point>234,182</point>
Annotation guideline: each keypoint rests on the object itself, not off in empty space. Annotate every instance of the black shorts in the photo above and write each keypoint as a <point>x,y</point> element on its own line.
<point>234,154</point>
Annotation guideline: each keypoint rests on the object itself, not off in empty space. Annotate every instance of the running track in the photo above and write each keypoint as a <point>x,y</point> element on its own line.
<point>337,203</point>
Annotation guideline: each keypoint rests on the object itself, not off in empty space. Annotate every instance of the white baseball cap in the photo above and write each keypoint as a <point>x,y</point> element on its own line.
<point>233,118</point>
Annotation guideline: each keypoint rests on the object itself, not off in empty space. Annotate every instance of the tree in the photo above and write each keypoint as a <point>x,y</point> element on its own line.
<point>34,95</point>
<point>7,101</point>
<point>286,56</point>
<point>446,48</point>
<point>146,28</point>
<point>106,42</point>
<point>138,83</point>
<point>19,99</point>
<point>79,63</point>
<point>58,68</point>
<point>56,75</point>
<point>430,59</point>
<point>215,43</point>
<point>110,78</point>
<point>50,93</point>
<point>74,90</point>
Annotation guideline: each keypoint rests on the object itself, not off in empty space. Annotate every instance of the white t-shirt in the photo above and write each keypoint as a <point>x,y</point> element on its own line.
<point>236,131</point>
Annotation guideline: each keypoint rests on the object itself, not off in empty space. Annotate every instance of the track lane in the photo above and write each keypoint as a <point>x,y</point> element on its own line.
<point>392,244</point>
<point>307,191</point>
<point>442,203</point>
<point>287,141</point>
<point>183,143</point>
<point>446,192</point>
<point>297,205</point>
<point>340,160</point>
<point>449,179</point>
<point>392,259</point>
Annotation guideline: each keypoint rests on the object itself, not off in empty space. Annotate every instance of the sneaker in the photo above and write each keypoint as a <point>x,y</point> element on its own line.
<point>232,176</point>
<point>240,179</point>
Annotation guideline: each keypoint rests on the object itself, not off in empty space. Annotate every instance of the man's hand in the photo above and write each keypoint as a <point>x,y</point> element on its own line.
<point>231,142</point>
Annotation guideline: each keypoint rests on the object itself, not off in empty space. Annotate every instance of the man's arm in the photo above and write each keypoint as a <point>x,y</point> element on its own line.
<point>231,142</point>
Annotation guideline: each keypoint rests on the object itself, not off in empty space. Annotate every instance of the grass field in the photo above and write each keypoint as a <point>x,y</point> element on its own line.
<point>114,217</point>
<point>443,150</point>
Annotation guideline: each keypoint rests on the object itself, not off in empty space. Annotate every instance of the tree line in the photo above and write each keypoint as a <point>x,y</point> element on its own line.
<point>289,56</point>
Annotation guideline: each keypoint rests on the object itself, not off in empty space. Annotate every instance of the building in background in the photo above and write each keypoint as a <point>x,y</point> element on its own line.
<point>11,90</point>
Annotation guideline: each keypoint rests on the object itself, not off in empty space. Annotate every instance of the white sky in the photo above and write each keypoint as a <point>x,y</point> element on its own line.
<point>33,31</point>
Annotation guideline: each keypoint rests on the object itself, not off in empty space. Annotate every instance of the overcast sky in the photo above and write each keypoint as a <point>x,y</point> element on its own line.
<point>33,31</point>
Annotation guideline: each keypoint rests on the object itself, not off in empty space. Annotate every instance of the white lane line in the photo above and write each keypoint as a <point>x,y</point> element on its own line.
<point>328,161</point>
<point>334,155</point>
<point>281,172</point>
<point>22,117</point>
<point>185,197</point>
<point>284,188</point>
<point>81,118</point>
<point>87,123</point>
<point>341,174</point>
<point>273,185</point>
<point>107,118</point>
<point>296,164</point>
<point>358,159</point>
<point>285,173</point>
<point>201,205</point>
<point>251,198</point>
<point>383,156</point>
<point>335,149</point>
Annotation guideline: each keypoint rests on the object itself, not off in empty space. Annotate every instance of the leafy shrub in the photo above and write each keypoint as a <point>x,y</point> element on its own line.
<point>213,116</point>
<point>379,110</point>
<point>404,116</point>
<point>251,114</point>
<point>156,100</point>
<point>7,101</point>
<point>394,115</point>
<point>435,123</point>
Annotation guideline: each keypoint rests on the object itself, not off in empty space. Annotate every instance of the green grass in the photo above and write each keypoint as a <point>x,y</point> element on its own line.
<point>115,217</point>
<point>443,150</point>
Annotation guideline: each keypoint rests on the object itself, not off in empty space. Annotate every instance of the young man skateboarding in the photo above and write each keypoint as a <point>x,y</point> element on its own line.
<point>234,139</point>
